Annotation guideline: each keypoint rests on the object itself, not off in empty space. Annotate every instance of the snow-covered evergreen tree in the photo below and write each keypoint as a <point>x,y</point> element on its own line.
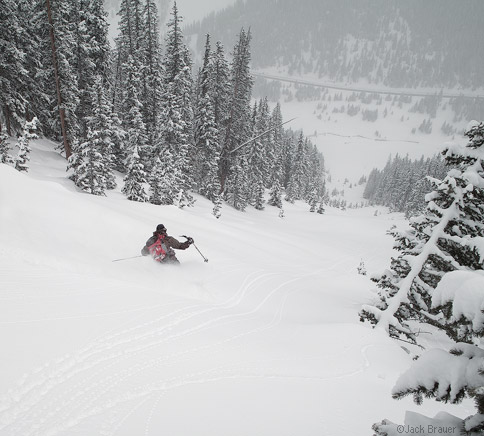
<point>275,195</point>
<point>23,145</point>
<point>105,130</point>
<point>258,164</point>
<point>13,74</point>
<point>296,185</point>
<point>217,206</point>
<point>132,121</point>
<point>448,376</point>
<point>234,164</point>
<point>206,133</point>
<point>91,60</point>
<point>135,178</point>
<point>276,158</point>
<point>237,187</point>
<point>5,156</point>
<point>402,184</point>
<point>448,237</point>
<point>129,44</point>
<point>176,120</point>
<point>220,88</point>
<point>135,143</point>
<point>151,94</point>
<point>156,182</point>
<point>63,26</point>
<point>90,169</point>
<point>167,179</point>
<point>321,209</point>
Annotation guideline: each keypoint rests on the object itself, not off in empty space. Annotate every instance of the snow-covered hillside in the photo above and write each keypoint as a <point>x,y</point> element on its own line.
<point>339,122</point>
<point>264,339</point>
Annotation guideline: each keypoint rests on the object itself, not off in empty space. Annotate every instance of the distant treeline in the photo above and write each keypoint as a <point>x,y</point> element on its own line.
<point>403,183</point>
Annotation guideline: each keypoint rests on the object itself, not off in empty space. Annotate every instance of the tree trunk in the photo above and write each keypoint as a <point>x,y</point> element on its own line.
<point>6,112</point>
<point>62,113</point>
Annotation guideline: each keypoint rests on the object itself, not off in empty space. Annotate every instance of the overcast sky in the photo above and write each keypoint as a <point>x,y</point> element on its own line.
<point>192,10</point>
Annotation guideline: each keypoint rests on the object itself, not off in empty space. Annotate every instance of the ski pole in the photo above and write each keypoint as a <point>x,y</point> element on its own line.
<point>204,258</point>
<point>193,243</point>
<point>126,258</point>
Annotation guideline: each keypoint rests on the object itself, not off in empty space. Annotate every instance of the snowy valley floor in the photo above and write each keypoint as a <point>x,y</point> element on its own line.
<point>264,339</point>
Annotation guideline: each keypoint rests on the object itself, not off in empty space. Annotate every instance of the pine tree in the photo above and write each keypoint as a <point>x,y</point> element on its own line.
<point>234,183</point>
<point>5,156</point>
<point>220,88</point>
<point>90,168</point>
<point>275,195</point>
<point>315,180</point>
<point>39,88</point>
<point>257,155</point>
<point>23,145</point>
<point>135,178</point>
<point>93,160</point>
<point>276,158</point>
<point>156,182</point>
<point>132,121</point>
<point>217,206</point>
<point>176,120</point>
<point>449,376</point>
<point>321,209</point>
<point>61,18</point>
<point>445,238</point>
<point>168,178</point>
<point>91,55</point>
<point>135,137</point>
<point>206,132</point>
<point>237,188</point>
<point>130,34</point>
<point>402,184</point>
<point>296,185</point>
<point>152,71</point>
<point>129,51</point>
<point>13,75</point>
<point>105,126</point>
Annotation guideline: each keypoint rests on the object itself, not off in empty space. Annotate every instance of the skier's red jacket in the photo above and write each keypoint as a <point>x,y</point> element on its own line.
<point>161,246</point>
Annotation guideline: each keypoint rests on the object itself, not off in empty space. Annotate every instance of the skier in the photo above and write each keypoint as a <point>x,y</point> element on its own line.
<point>161,246</point>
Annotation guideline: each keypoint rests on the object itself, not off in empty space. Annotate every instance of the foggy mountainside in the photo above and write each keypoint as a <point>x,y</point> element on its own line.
<point>431,43</point>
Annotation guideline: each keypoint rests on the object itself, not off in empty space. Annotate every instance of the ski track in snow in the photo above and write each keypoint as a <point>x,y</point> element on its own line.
<point>239,325</point>
<point>98,378</point>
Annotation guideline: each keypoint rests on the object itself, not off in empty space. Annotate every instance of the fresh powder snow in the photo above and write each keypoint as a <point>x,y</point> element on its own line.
<point>264,339</point>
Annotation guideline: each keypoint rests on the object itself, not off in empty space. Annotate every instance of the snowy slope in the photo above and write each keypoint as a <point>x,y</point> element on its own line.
<point>264,339</point>
<point>352,147</point>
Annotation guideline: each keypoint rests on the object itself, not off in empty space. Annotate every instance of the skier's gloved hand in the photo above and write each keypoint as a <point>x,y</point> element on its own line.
<point>190,241</point>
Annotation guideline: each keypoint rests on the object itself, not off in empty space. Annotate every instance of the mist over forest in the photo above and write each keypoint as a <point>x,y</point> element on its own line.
<point>432,43</point>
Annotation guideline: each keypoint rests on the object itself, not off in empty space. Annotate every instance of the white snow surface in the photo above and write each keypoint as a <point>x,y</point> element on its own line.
<point>465,289</point>
<point>448,370</point>
<point>264,339</point>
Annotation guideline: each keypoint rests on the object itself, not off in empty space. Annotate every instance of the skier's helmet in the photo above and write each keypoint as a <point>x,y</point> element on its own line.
<point>160,228</point>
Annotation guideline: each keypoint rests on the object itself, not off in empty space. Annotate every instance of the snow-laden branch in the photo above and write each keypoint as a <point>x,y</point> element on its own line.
<point>387,317</point>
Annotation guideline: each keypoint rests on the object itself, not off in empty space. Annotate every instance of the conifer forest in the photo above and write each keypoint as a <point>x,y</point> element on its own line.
<point>140,109</point>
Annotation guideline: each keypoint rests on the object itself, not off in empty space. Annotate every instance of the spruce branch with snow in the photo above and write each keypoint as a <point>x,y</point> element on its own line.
<point>450,376</point>
<point>447,237</point>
